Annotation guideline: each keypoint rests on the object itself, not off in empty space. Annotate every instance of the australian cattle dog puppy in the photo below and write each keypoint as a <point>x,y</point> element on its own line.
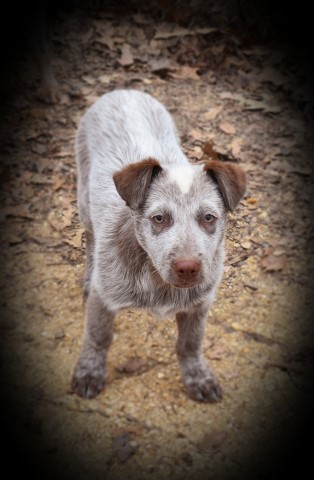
<point>155,227</point>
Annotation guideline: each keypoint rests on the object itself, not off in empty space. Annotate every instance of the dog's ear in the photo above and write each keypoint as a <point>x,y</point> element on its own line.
<point>132,181</point>
<point>231,181</point>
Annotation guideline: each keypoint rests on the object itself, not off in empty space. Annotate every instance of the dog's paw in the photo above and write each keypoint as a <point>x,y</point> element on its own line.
<point>88,384</point>
<point>204,388</point>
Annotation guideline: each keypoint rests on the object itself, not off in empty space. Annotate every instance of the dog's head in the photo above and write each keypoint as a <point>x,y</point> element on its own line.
<point>180,214</point>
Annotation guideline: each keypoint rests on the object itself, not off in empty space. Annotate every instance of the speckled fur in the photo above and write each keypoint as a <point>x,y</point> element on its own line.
<point>128,154</point>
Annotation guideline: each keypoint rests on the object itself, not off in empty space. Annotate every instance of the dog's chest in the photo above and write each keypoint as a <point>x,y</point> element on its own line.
<point>165,301</point>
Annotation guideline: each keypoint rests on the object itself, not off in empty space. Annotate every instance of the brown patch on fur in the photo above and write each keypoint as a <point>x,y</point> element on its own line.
<point>132,181</point>
<point>209,227</point>
<point>130,251</point>
<point>164,225</point>
<point>231,181</point>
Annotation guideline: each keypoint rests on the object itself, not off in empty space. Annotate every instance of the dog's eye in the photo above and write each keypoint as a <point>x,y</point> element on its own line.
<point>209,218</point>
<point>158,218</point>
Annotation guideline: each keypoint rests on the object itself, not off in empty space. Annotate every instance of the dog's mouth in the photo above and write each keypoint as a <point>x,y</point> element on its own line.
<point>185,284</point>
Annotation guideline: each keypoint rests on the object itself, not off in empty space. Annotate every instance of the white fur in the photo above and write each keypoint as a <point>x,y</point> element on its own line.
<point>182,175</point>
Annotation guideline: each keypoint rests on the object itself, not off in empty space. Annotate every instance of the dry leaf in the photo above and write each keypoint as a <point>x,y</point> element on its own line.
<point>64,99</point>
<point>252,285</point>
<point>278,251</point>
<point>233,60</point>
<point>106,40</point>
<point>105,79</point>
<point>227,127</point>
<point>134,365</point>
<point>89,80</point>
<point>105,36</point>
<point>235,146</point>
<point>274,76</point>
<point>274,260</point>
<point>86,36</point>
<point>181,32</point>
<point>159,64</point>
<point>272,263</point>
<point>252,206</point>
<point>260,105</point>
<point>20,211</point>
<point>211,114</point>
<point>76,240</point>
<point>11,238</point>
<point>60,221</point>
<point>39,148</point>
<point>126,58</point>
<point>251,200</point>
<point>232,96</point>
<point>197,134</point>
<point>250,104</point>
<point>59,183</point>
<point>246,245</point>
<point>65,152</point>
<point>196,152</point>
<point>39,179</point>
<point>209,150</point>
<point>122,447</point>
<point>140,19</point>
<point>85,91</point>
<point>217,353</point>
<point>184,73</point>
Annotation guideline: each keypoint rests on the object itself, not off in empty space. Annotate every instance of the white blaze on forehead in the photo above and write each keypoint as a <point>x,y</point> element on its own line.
<point>182,175</point>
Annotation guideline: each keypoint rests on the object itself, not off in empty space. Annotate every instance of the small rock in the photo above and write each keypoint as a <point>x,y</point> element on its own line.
<point>251,285</point>
<point>59,335</point>
<point>212,440</point>
<point>134,365</point>
<point>187,458</point>
<point>122,447</point>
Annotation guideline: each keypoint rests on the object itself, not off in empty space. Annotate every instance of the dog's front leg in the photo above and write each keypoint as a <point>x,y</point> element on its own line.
<point>199,380</point>
<point>90,372</point>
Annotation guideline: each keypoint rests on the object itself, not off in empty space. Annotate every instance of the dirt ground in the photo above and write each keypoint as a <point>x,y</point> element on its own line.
<point>253,104</point>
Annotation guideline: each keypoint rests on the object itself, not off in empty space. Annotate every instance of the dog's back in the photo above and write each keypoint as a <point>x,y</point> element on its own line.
<point>122,127</point>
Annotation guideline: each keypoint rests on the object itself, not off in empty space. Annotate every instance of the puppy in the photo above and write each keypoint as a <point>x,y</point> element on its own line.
<point>155,227</point>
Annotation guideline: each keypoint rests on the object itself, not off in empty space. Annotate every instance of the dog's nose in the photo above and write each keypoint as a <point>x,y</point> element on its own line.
<point>186,269</point>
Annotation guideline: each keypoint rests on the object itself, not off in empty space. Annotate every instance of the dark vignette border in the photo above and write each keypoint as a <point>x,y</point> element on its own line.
<point>291,27</point>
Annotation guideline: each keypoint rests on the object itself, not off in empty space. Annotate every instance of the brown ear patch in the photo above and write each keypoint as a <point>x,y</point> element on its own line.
<point>231,181</point>
<point>132,181</point>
